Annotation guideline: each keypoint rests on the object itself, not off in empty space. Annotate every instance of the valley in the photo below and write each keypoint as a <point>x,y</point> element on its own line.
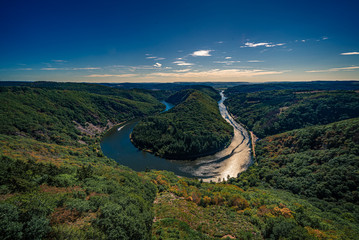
<point>57,181</point>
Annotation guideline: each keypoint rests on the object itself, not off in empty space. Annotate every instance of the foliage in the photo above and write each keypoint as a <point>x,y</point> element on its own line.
<point>301,86</point>
<point>186,131</point>
<point>320,162</point>
<point>272,112</point>
<point>267,213</point>
<point>59,116</point>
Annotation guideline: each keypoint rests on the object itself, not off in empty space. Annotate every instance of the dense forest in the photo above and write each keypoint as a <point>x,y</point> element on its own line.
<point>55,181</point>
<point>62,116</point>
<point>319,161</point>
<point>303,184</point>
<point>276,111</point>
<point>194,127</point>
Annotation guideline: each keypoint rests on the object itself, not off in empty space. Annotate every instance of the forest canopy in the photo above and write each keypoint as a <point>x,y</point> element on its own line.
<point>191,129</point>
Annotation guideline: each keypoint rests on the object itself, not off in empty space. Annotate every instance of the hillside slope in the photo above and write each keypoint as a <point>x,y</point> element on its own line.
<point>271,112</point>
<point>320,162</point>
<point>68,116</point>
<point>191,129</point>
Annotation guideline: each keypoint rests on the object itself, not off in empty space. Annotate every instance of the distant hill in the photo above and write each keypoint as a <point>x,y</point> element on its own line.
<point>194,127</point>
<point>303,86</point>
<point>272,112</point>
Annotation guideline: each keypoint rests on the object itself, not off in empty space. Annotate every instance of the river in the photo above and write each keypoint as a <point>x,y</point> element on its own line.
<point>235,159</point>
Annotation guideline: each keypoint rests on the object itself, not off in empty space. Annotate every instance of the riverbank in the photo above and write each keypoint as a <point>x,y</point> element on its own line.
<point>231,161</point>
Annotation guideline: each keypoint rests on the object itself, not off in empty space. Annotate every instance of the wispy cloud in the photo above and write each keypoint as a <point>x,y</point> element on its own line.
<point>59,61</point>
<point>157,65</point>
<point>262,44</point>
<point>86,68</point>
<point>183,63</point>
<point>182,70</point>
<point>202,53</point>
<point>216,73</point>
<point>254,61</point>
<point>350,53</point>
<point>52,69</point>
<point>335,69</point>
<point>69,69</point>
<point>228,58</point>
<point>24,69</point>
<point>155,58</point>
<point>111,75</point>
<point>226,62</point>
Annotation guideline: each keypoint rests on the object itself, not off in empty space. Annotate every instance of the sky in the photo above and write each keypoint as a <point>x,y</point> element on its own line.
<point>170,41</point>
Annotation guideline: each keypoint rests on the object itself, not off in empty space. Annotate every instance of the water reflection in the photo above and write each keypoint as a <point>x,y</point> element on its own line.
<point>230,161</point>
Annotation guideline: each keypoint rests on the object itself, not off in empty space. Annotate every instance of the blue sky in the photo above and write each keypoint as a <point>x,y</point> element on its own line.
<point>166,41</point>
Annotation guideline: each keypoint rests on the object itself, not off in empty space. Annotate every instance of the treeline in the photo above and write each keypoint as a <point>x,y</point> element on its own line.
<point>191,129</point>
<point>297,86</point>
<point>48,115</point>
<point>272,112</point>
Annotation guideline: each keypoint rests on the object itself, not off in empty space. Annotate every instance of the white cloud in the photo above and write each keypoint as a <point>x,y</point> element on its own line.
<point>350,53</point>
<point>227,62</point>
<point>87,68</point>
<point>69,69</point>
<point>220,42</point>
<point>52,69</point>
<point>59,61</point>
<point>183,63</point>
<point>111,75</point>
<point>324,38</point>
<point>261,44</point>
<point>151,57</point>
<point>216,73</point>
<point>160,58</point>
<point>202,53</point>
<point>24,69</point>
<point>227,57</point>
<point>182,70</point>
<point>335,69</point>
<point>254,61</point>
<point>158,65</point>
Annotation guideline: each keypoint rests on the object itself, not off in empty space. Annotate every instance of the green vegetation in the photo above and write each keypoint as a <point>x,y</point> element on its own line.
<point>55,182</point>
<point>320,162</point>
<point>191,129</point>
<point>188,209</point>
<point>67,116</point>
<point>64,192</point>
<point>272,112</point>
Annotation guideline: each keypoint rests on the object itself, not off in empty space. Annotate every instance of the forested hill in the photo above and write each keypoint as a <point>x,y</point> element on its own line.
<point>272,112</point>
<point>296,86</point>
<point>181,96</point>
<point>192,128</point>
<point>69,116</point>
<point>319,161</point>
<point>66,190</point>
